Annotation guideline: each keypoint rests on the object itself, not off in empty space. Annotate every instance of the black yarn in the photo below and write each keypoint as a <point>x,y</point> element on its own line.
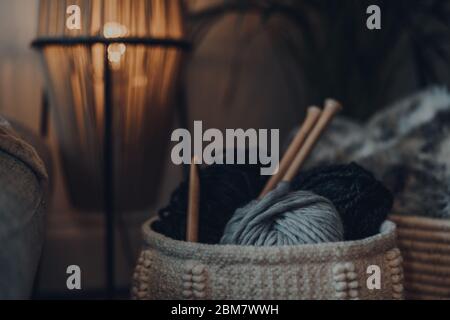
<point>223,189</point>
<point>361,200</point>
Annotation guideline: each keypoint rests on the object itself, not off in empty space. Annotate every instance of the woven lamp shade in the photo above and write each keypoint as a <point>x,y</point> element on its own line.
<point>143,76</point>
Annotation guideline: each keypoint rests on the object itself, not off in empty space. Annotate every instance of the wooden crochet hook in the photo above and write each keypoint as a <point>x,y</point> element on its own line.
<point>312,115</point>
<point>193,204</point>
<point>332,107</point>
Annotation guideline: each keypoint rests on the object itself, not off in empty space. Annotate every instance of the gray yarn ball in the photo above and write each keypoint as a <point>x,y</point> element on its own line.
<point>285,218</point>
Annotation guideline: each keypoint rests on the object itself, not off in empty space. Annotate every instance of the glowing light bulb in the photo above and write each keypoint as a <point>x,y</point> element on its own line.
<point>116,51</point>
<point>114,30</point>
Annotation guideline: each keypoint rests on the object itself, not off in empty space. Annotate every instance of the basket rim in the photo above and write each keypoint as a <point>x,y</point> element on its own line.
<point>225,254</point>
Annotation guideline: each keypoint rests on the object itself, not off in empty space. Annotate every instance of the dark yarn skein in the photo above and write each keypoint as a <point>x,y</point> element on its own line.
<point>223,189</point>
<point>362,202</point>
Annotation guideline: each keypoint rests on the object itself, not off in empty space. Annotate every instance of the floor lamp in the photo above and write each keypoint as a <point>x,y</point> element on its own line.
<point>110,84</point>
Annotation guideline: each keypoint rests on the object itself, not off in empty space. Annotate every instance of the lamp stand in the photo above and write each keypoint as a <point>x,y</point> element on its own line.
<point>108,182</point>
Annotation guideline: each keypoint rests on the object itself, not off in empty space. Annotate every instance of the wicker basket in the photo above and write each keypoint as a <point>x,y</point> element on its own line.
<point>425,245</point>
<point>169,269</point>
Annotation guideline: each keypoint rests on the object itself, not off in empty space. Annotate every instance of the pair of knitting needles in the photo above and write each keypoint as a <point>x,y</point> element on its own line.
<point>314,125</point>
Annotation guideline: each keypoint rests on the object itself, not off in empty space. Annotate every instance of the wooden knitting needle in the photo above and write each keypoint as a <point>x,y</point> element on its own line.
<point>332,107</point>
<point>193,204</point>
<point>312,116</point>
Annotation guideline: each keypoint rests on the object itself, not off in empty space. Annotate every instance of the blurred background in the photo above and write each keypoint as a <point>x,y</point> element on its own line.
<point>254,64</point>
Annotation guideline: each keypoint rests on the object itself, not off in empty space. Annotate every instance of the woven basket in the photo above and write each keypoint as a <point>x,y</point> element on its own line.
<point>425,245</point>
<point>170,269</point>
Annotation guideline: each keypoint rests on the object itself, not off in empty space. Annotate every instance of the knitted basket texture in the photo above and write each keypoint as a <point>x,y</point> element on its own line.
<point>425,245</point>
<point>168,269</point>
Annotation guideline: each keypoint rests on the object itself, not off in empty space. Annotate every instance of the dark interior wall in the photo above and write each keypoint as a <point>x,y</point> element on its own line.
<point>326,43</point>
<point>20,74</point>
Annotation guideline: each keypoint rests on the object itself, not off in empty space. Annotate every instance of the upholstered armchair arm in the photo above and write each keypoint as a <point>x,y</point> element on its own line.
<point>23,185</point>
